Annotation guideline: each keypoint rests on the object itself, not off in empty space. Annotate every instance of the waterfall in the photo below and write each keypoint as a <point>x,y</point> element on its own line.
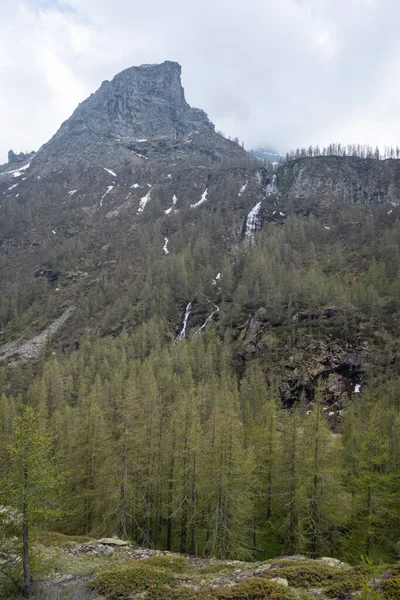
<point>202,328</point>
<point>272,188</point>
<point>253,222</point>
<point>182,334</point>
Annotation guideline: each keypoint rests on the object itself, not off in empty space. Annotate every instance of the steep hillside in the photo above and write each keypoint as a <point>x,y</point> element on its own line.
<point>136,175</point>
<point>213,343</point>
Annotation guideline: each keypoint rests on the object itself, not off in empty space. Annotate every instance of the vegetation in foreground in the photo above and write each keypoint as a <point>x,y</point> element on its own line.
<point>72,569</point>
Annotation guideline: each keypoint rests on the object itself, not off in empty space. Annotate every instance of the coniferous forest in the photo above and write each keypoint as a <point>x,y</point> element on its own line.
<point>169,444</point>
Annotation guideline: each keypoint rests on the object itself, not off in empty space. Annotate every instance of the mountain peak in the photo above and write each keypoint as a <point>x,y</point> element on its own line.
<point>140,104</point>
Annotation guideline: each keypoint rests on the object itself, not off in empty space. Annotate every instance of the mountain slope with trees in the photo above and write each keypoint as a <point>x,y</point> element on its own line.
<point>215,386</point>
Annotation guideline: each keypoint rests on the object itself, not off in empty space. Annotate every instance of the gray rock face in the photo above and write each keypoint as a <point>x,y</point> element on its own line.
<point>348,179</point>
<point>22,157</point>
<point>142,113</point>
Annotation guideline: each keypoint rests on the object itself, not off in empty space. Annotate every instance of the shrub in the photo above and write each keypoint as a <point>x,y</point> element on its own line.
<point>165,592</point>
<point>256,588</point>
<point>391,588</point>
<point>175,563</point>
<point>136,577</point>
<point>315,575</point>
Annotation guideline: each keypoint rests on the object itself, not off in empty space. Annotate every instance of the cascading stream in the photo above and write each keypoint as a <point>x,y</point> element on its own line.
<point>182,334</point>
<point>272,187</point>
<point>253,222</point>
<point>202,328</point>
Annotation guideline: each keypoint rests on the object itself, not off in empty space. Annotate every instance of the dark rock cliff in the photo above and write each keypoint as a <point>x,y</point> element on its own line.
<point>347,179</point>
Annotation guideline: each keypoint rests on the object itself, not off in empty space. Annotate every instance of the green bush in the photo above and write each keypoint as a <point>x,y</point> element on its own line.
<point>174,563</point>
<point>254,589</point>
<point>136,577</point>
<point>315,575</point>
<point>165,592</point>
<point>391,588</point>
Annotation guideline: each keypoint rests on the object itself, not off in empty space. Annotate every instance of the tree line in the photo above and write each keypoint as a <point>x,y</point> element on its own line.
<point>337,149</point>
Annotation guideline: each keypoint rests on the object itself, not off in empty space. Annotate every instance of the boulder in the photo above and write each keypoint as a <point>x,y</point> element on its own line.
<point>281,581</point>
<point>331,562</point>
<point>112,542</point>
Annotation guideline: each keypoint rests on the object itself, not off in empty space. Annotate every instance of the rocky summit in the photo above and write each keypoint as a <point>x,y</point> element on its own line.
<point>141,114</point>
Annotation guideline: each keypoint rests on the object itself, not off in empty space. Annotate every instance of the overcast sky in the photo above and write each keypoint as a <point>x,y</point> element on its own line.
<point>284,73</point>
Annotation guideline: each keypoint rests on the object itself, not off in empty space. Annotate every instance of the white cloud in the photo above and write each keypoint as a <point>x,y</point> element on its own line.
<point>282,72</point>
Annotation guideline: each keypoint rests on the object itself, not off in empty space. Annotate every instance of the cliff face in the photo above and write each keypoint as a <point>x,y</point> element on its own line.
<point>351,180</point>
<point>141,113</point>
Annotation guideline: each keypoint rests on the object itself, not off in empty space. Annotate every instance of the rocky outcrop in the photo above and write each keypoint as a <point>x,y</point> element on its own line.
<point>340,364</point>
<point>22,157</point>
<point>347,179</point>
<point>141,114</point>
<point>22,351</point>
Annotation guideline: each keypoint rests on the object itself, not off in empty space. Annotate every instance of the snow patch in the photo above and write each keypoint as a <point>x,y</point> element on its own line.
<point>136,185</point>
<point>217,279</point>
<point>142,140</point>
<point>18,172</point>
<point>357,388</point>
<point>169,175</point>
<point>202,199</point>
<point>140,155</point>
<point>327,227</point>
<point>174,201</point>
<point>143,201</point>
<point>72,192</point>
<point>109,171</point>
<point>12,187</point>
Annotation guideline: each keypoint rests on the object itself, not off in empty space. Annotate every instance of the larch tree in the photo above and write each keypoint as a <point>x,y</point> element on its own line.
<point>33,482</point>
